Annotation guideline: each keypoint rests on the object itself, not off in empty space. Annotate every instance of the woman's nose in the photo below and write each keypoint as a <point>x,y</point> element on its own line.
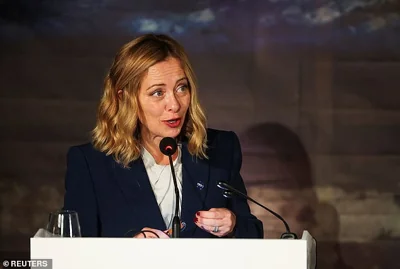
<point>173,104</point>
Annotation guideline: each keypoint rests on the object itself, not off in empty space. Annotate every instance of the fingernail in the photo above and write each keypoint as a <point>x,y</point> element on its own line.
<point>195,219</point>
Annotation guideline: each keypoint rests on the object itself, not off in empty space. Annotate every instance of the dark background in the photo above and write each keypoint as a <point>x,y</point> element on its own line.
<point>311,87</point>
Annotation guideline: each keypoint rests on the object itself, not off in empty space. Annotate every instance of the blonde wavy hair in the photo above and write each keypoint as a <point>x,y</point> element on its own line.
<point>117,130</point>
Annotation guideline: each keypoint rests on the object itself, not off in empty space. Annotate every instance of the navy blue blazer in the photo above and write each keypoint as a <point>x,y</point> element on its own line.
<point>112,200</point>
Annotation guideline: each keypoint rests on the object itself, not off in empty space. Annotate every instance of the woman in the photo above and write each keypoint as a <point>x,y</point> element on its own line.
<point>121,183</point>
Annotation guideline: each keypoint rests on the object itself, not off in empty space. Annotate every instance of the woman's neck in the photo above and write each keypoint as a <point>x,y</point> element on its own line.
<point>154,150</point>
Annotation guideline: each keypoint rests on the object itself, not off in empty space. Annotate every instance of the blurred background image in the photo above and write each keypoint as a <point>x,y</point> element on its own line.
<point>312,88</point>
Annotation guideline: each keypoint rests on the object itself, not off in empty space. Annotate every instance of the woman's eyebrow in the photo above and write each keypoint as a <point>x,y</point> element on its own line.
<point>154,85</point>
<point>163,84</point>
<point>184,78</point>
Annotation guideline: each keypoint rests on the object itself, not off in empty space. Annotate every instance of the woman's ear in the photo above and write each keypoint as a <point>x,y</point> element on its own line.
<point>119,93</point>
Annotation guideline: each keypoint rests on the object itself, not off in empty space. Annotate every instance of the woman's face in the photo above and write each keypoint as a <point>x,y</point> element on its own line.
<point>164,99</point>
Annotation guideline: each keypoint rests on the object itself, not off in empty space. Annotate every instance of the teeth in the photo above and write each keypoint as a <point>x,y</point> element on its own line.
<point>172,121</point>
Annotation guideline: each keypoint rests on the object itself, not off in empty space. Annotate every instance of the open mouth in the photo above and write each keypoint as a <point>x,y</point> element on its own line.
<point>173,122</point>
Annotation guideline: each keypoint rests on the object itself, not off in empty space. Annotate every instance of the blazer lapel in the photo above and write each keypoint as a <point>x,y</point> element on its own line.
<point>195,177</point>
<point>135,186</point>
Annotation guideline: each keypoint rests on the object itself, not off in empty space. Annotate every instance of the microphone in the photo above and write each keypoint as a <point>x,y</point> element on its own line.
<point>228,193</point>
<point>168,147</point>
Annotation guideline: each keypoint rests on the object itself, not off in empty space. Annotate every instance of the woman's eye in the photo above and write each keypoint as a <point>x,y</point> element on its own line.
<point>157,93</point>
<point>182,88</point>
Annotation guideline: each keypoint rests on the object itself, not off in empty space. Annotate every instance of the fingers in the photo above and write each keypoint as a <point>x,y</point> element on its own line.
<point>210,221</point>
<point>214,216</point>
<point>161,234</point>
<point>221,218</point>
<point>222,230</point>
<point>168,232</point>
<point>213,213</point>
<point>151,233</point>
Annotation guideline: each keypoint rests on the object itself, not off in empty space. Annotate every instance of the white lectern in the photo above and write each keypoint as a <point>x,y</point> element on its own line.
<point>98,253</point>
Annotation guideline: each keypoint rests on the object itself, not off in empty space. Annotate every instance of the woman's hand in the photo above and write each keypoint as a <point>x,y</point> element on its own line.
<point>151,233</point>
<point>217,221</point>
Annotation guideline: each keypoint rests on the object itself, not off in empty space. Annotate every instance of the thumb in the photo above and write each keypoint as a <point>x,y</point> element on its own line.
<point>162,234</point>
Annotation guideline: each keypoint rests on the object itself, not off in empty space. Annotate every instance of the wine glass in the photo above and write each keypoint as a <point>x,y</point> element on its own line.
<point>64,223</point>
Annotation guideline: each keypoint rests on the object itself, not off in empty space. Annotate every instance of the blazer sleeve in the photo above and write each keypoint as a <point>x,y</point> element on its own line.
<point>79,192</point>
<point>247,225</point>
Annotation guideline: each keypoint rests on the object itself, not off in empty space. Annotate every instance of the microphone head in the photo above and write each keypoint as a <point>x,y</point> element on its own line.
<point>227,194</point>
<point>168,146</point>
<point>223,185</point>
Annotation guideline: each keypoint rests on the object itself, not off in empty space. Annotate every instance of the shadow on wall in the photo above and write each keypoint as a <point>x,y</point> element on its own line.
<point>279,169</point>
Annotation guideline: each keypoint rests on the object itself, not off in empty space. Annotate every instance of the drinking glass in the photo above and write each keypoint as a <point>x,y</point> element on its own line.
<point>64,223</point>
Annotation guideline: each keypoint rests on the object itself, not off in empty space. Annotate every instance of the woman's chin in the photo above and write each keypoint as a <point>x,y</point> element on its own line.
<point>173,133</point>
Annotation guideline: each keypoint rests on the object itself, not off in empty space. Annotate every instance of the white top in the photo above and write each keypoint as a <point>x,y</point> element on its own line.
<point>161,181</point>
